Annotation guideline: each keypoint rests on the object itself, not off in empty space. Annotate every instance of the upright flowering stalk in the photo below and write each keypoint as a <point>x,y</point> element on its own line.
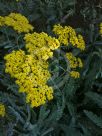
<point>74,63</point>
<point>67,35</point>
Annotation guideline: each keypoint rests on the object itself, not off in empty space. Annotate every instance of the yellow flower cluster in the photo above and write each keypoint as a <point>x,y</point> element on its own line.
<point>41,45</point>
<point>1,21</point>
<point>30,69</point>
<point>74,74</point>
<point>2,110</point>
<point>17,21</point>
<point>100,28</point>
<point>68,35</point>
<point>74,63</point>
<point>31,76</point>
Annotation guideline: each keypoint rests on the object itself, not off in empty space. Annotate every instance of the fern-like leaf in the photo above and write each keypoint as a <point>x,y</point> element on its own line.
<point>94,118</point>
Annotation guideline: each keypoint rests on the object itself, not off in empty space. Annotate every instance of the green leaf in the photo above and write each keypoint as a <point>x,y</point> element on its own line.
<point>94,118</point>
<point>96,98</point>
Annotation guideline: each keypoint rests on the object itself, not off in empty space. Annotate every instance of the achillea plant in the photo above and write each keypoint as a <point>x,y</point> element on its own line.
<point>30,68</point>
<point>45,87</point>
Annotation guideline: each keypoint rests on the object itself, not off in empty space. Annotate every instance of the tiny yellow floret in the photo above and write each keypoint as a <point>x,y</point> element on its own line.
<point>100,28</point>
<point>2,110</point>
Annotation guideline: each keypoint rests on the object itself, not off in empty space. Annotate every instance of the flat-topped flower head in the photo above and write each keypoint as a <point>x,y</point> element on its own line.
<point>41,45</point>
<point>67,35</point>
<point>31,75</point>
<point>17,21</point>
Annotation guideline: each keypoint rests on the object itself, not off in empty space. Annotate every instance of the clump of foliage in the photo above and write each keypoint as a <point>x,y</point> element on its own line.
<point>50,68</point>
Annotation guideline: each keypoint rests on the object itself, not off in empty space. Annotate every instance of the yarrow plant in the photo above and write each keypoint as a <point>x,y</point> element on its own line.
<point>50,68</point>
<point>30,68</point>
